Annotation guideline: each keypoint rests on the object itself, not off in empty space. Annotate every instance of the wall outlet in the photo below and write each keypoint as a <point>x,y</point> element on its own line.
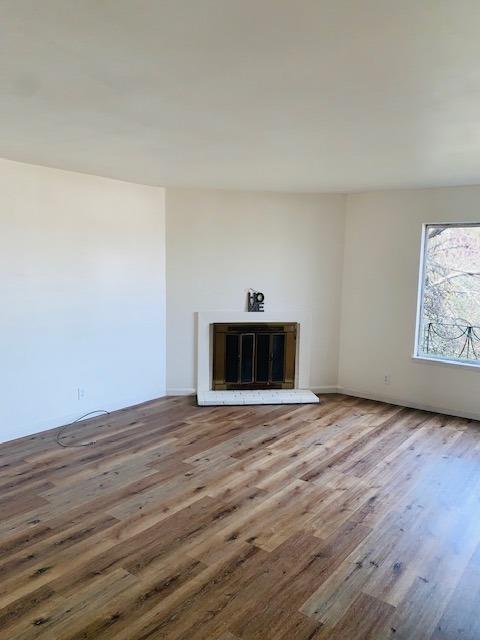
<point>81,393</point>
<point>387,378</point>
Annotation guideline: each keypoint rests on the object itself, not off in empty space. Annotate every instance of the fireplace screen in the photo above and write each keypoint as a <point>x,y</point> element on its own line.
<point>254,355</point>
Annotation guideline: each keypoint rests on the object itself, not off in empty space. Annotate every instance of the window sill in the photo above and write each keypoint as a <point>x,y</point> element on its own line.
<point>449,363</point>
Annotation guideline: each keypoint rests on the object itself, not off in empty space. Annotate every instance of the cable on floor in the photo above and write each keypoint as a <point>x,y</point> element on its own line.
<point>61,432</point>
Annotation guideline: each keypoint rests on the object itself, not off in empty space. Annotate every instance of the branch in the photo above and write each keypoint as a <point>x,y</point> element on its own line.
<point>451,276</point>
<point>436,231</point>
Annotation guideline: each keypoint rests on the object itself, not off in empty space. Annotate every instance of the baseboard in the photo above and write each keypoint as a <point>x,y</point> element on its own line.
<point>35,428</point>
<point>181,392</point>
<point>363,394</point>
<point>379,397</point>
<point>191,392</point>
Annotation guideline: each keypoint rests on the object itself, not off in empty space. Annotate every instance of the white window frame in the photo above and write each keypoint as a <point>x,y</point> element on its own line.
<point>417,354</point>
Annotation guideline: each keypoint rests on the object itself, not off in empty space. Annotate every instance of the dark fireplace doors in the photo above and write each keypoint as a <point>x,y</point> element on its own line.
<point>254,355</point>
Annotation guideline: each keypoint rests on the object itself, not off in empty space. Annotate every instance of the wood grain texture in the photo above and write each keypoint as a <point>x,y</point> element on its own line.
<point>350,519</point>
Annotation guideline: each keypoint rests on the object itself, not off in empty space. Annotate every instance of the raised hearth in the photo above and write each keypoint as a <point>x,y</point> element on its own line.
<point>264,396</point>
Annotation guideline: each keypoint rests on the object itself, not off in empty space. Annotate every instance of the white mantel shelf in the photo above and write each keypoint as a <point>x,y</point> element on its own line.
<point>264,396</point>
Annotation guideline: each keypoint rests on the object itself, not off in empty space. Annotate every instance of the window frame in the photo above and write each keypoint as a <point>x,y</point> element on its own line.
<point>417,354</point>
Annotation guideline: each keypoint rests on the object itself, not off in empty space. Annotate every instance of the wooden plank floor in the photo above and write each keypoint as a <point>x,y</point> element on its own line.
<point>350,520</point>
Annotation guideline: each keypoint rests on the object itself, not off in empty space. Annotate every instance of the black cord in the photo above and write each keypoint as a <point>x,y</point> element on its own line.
<point>61,431</point>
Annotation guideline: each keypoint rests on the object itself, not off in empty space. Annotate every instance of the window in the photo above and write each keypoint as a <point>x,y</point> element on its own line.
<point>449,300</point>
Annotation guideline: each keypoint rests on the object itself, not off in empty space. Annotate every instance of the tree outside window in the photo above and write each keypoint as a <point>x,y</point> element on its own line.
<point>449,322</point>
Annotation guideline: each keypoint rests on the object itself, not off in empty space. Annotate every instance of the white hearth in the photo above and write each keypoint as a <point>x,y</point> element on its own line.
<point>260,396</point>
<point>300,394</point>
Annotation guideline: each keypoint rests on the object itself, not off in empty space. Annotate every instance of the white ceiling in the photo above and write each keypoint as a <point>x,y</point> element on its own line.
<point>291,95</point>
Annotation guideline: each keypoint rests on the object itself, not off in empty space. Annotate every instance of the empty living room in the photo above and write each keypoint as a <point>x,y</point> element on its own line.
<point>240,320</point>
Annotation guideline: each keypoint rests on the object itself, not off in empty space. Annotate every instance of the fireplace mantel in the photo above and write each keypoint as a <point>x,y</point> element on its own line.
<point>205,320</point>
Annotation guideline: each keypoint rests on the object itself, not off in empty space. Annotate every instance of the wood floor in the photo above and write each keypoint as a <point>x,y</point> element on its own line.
<point>347,520</point>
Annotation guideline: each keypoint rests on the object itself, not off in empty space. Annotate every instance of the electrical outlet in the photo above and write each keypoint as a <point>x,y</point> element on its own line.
<point>81,393</point>
<point>386,378</point>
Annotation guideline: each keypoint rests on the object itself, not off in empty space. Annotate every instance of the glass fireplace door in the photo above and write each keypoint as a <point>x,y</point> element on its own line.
<point>254,356</point>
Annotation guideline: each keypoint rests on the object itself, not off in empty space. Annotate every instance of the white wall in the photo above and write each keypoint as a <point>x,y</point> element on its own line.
<point>82,288</point>
<point>220,243</point>
<point>382,253</point>
<point>82,291</point>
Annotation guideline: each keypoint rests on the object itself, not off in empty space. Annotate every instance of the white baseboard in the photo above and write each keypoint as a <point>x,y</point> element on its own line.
<point>379,397</point>
<point>187,391</point>
<point>181,392</point>
<point>34,428</point>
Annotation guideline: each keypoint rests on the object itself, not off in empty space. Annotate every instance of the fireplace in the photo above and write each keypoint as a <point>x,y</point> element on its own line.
<point>254,355</point>
<point>294,388</point>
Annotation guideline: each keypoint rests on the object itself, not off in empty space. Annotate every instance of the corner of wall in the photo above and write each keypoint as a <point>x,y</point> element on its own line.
<point>346,200</point>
